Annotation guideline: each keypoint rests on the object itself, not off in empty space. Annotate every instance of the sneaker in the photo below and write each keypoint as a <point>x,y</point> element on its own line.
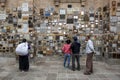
<point>20,70</point>
<point>64,65</point>
<point>87,73</point>
<point>26,70</point>
<point>91,71</point>
<point>73,69</point>
<point>78,69</point>
<point>68,66</point>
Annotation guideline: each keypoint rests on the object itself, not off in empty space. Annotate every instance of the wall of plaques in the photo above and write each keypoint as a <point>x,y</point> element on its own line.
<point>47,29</point>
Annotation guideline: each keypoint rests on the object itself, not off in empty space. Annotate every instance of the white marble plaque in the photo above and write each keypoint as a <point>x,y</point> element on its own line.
<point>25,7</point>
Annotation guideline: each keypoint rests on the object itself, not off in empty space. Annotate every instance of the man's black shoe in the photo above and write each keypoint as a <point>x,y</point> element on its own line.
<point>73,69</point>
<point>87,73</point>
<point>78,69</point>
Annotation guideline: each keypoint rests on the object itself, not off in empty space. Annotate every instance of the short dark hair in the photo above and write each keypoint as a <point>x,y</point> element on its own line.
<point>68,41</point>
<point>88,37</point>
<point>24,40</point>
<point>75,38</point>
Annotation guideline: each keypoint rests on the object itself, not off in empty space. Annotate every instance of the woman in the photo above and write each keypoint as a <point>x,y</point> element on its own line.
<point>67,52</point>
<point>24,60</point>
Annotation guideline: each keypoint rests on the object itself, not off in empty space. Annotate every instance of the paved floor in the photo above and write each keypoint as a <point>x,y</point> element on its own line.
<point>51,68</point>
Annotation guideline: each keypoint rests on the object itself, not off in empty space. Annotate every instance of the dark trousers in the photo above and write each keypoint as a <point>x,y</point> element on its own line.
<point>89,63</point>
<point>24,63</point>
<point>77,57</point>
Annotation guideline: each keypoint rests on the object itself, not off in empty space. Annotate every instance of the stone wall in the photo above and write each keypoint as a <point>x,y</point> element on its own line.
<point>44,4</point>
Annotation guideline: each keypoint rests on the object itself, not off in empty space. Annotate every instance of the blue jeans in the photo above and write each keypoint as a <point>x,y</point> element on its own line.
<point>67,58</point>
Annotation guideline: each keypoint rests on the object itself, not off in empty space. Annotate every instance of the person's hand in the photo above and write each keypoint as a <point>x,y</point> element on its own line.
<point>94,52</point>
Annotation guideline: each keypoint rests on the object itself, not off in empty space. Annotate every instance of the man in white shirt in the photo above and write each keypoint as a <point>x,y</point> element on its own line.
<point>89,51</point>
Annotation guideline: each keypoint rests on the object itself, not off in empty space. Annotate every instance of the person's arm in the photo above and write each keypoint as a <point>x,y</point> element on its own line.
<point>28,46</point>
<point>63,48</point>
<point>71,47</point>
<point>79,44</point>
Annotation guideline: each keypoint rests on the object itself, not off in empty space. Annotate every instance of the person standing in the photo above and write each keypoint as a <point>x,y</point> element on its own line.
<point>24,60</point>
<point>67,53</point>
<point>75,47</point>
<point>89,51</point>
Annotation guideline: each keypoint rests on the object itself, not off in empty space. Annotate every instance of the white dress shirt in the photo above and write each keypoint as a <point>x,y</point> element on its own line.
<point>89,47</point>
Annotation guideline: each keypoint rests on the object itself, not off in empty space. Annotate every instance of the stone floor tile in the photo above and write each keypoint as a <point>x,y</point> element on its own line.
<point>118,75</point>
<point>72,79</point>
<point>8,77</point>
<point>101,75</point>
<point>61,75</point>
<point>62,70</point>
<point>72,75</point>
<point>62,79</point>
<point>39,78</point>
<point>82,76</point>
<point>22,74</point>
<point>113,78</point>
<point>95,79</point>
<point>110,75</point>
<point>1,78</point>
<point>83,79</point>
<point>53,71</point>
<point>1,70</point>
<point>51,68</point>
<point>51,77</point>
<point>93,76</point>
<point>4,74</point>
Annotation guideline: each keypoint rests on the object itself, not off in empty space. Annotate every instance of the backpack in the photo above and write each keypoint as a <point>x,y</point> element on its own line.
<point>22,49</point>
